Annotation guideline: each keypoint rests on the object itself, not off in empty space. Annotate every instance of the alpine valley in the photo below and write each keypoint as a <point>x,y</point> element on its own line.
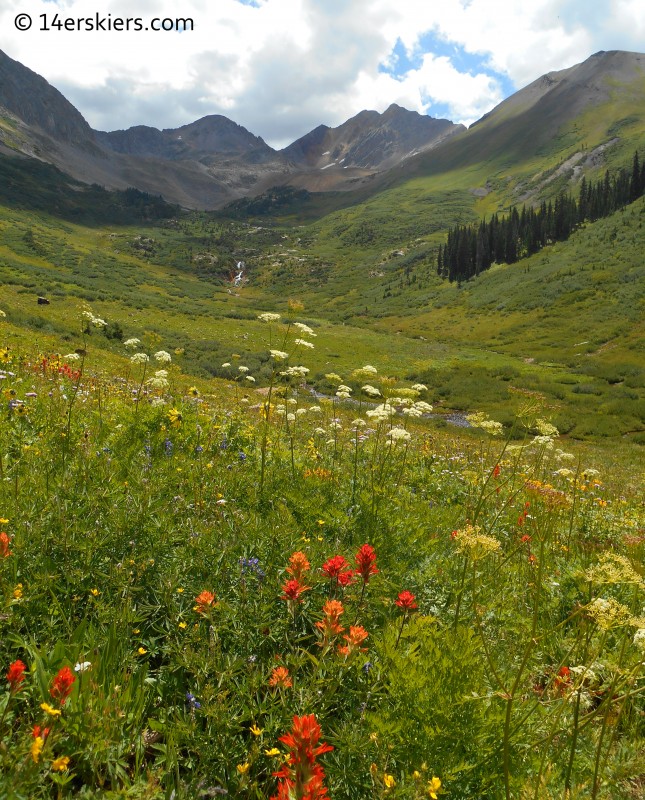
<point>348,222</point>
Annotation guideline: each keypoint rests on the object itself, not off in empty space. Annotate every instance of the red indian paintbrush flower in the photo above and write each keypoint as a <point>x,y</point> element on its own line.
<point>334,566</point>
<point>406,601</point>
<point>37,731</point>
<point>4,545</point>
<point>346,578</point>
<point>301,777</point>
<point>366,562</point>
<point>293,589</point>
<point>62,684</point>
<point>16,675</point>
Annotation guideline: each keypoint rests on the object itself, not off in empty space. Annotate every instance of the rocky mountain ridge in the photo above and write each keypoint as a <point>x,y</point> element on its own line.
<point>211,161</point>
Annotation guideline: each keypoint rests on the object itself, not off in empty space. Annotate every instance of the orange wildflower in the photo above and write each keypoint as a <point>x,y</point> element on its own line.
<point>280,678</point>
<point>4,545</point>
<point>298,565</point>
<point>356,636</point>
<point>204,601</point>
<point>329,625</point>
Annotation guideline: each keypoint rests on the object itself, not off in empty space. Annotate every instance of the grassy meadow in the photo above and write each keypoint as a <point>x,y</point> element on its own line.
<point>210,591</point>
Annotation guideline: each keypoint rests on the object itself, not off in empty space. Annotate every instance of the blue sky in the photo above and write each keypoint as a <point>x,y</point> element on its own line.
<point>282,67</point>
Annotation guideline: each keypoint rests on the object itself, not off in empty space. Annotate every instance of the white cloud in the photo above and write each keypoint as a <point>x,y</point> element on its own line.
<point>281,67</point>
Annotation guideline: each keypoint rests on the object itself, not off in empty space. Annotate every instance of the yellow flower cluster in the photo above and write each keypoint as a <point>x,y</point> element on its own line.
<point>478,545</point>
<point>614,569</point>
<point>608,613</point>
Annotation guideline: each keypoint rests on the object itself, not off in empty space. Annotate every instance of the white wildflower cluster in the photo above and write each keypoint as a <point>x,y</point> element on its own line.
<point>162,357</point>
<point>301,411</point>
<point>365,372</point>
<point>267,316</point>
<point>291,417</point>
<point>398,435</point>
<point>72,357</point>
<point>305,329</point>
<point>226,364</point>
<point>370,391</point>
<point>315,410</point>
<point>588,675</point>
<point>2,313</point>
<point>564,472</point>
<point>132,344</point>
<point>295,372</point>
<point>343,392</point>
<point>562,456</point>
<point>418,409</point>
<point>96,321</point>
<point>241,369</point>
<point>639,640</point>
<point>279,355</point>
<point>159,380</point>
<point>331,376</point>
<point>589,473</point>
<point>304,343</point>
<point>543,441</point>
<point>139,358</point>
<point>381,413</point>
<point>359,423</point>
<point>420,387</point>
<point>249,378</point>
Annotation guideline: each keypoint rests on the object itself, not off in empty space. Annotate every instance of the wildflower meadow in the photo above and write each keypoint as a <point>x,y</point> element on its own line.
<point>240,588</point>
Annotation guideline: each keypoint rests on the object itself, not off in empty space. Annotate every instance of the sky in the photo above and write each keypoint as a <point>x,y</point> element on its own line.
<point>282,67</point>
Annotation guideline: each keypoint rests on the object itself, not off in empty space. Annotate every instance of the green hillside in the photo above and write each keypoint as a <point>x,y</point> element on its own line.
<point>566,322</point>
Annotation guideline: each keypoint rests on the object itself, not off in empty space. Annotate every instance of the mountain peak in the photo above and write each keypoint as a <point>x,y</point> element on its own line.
<point>370,140</point>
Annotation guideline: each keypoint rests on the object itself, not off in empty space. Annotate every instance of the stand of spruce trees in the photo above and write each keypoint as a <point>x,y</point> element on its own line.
<point>471,249</point>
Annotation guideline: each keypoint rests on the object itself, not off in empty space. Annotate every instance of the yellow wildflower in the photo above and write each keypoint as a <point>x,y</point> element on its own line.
<point>243,768</point>
<point>142,651</point>
<point>17,592</point>
<point>174,417</point>
<point>60,764</point>
<point>272,752</point>
<point>255,730</point>
<point>389,781</point>
<point>37,748</point>
<point>433,787</point>
<point>53,712</point>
